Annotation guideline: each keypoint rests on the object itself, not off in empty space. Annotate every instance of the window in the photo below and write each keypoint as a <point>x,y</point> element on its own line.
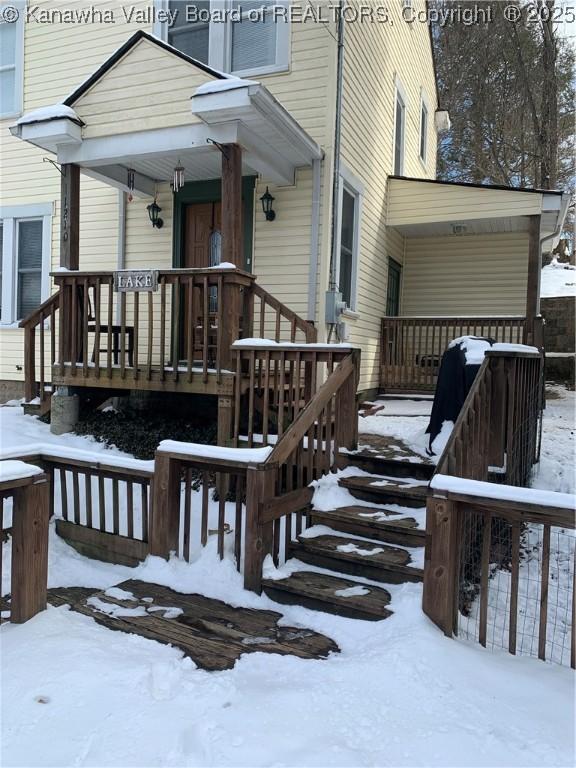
<point>25,233</point>
<point>423,131</point>
<point>348,238</point>
<point>393,289</point>
<point>245,37</point>
<point>11,61</point>
<point>399,131</point>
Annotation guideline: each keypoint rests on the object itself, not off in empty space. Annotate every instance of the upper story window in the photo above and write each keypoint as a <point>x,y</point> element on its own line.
<point>244,37</point>
<point>11,62</point>
<point>349,238</point>
<point>423,131</point>
<point>399,130</point>
<point>25,235</point>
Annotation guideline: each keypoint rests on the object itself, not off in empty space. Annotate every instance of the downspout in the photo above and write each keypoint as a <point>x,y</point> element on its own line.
<point>314,244</point>
<point>554,236</point>
<point>121,245</point>
<point>337,136</point>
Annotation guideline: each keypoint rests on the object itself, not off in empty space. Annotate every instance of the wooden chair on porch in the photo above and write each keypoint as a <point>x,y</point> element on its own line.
<point>116,337</point>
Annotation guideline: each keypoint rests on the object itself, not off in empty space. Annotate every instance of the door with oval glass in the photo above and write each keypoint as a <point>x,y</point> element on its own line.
<point>202,248</point>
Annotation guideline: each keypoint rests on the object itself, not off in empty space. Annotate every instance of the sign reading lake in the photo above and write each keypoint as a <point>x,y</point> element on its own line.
<point>136,280</point>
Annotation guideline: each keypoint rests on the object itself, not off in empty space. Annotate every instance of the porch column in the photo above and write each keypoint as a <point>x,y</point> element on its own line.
<point>232,204</point>
<point>70,216</point>
<point>533,285</point>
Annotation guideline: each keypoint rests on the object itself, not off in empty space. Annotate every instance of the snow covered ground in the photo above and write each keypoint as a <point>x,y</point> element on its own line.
<point>558,279</point>
<point>398,694</point>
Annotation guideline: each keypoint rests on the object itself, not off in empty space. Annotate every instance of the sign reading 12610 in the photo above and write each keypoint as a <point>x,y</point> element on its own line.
<point>136,280</point>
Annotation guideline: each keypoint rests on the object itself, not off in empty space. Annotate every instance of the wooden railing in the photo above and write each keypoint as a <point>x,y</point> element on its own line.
<point>272,481</point>
<point>281,380</point>
<point>499,567</point>
<point>101,508</point>
<point>412,347</point>
<point>169,339</point>
<point>496,433</point>
<point>37,373</point>
<point>29,569</point>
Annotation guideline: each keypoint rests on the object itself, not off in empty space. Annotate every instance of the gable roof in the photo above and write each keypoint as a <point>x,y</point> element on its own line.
<point>119,53</point>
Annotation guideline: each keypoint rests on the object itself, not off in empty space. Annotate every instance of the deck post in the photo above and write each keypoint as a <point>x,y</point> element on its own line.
<point>30,549</point>
<point>70,216</point>
<point>165,517</point>
<point>232,204</point>
<point>533,284</point>
<point>440,596</point>
<point>258,542</point>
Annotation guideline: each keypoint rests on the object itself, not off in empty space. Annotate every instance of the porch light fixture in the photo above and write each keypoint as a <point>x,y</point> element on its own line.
<point>153,211</point>
<point>267,201</point>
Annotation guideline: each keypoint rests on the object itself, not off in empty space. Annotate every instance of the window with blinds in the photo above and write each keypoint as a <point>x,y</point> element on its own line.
<point>239,36</point>
<point>29,281</point>
<point>348,219</point>
<point>8,38</point>
<point>423,131</point>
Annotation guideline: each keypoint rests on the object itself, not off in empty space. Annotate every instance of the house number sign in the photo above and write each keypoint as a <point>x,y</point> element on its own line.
<point>136,280</point>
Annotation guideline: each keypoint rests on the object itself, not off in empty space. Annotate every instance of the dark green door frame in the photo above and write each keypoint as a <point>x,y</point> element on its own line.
<point>210,191</point>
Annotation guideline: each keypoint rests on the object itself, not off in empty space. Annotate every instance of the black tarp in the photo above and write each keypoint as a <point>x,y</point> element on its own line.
<point>455,378</point>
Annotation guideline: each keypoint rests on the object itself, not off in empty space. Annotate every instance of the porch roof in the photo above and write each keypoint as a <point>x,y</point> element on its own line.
<point>430,207</point>
<point>223,110</point>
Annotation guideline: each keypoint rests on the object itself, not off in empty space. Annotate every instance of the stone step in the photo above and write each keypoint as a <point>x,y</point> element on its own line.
<point>381,490</point>
<point>372,523</point>
<point>375,464</point>
<point>332,594</point>
<point>357,557</point>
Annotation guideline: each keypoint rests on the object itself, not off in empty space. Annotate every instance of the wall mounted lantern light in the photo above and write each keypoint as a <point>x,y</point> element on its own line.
<point>153,211</point>
<point>267,201</point>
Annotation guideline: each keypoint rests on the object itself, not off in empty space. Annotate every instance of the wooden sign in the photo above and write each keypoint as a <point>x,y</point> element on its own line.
<point>136,280</point>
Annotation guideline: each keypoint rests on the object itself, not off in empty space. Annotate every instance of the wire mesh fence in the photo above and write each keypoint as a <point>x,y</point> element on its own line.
<point>516,586</point>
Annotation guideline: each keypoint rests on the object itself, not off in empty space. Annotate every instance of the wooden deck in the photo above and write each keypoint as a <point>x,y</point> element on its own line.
<point>210,632</point>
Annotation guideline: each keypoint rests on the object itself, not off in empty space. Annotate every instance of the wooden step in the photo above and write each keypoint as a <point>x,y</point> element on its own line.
<point>381,490</point>
<point>352,556</point>
<point>375,464</point>
<point>319,592</point>
<point>373,523</point>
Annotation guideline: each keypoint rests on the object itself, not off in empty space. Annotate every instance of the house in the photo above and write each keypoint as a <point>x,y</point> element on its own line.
<point>311,165</point>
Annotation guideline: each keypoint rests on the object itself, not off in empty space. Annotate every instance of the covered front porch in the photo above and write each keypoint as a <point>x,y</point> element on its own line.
<point>466,261</point>
<point>183,290</point>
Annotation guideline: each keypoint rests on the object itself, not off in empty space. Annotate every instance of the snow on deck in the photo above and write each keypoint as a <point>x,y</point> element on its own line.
<point>17,470</point>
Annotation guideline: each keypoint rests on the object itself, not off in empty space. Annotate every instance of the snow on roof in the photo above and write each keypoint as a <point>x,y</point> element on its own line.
<point>245,455</point>
<point>558,280</point>
<point>505,347</point>
<point>16,470</point>
<point>53,112</point>
<point>503,492</point>
<point>228,84</point>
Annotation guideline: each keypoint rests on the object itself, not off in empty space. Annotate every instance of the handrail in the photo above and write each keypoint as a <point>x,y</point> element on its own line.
<point>309,331</point>
<point>497,420</point>
<point>306,418</point>
<point>35,317</point>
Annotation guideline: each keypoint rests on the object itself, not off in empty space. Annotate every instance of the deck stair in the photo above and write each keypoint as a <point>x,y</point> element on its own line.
<point>360,547</point>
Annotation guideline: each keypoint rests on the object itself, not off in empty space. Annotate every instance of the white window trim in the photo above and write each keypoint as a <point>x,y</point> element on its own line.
<point>20,6</point>
<point>10,216</point>
<point>423,105</point>
<point>399,93</point>
<point>355,187</point>
<point>220,42</point>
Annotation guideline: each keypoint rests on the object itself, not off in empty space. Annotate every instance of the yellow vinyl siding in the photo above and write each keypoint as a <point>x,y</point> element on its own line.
<point>148,88</point>
<point>466,275</point>
<point>415,202</point>
<point>375,55</point>
<point>57,58</point>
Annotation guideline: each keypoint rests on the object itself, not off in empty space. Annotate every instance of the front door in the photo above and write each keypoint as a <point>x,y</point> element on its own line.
<point>202,248</point>
<point>202,238</point>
